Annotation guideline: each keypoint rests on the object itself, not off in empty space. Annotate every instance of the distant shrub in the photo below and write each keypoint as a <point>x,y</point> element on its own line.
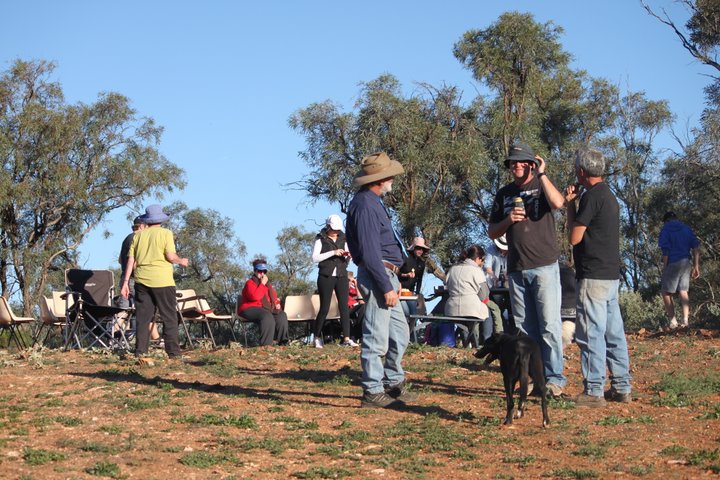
<point>638,313</point>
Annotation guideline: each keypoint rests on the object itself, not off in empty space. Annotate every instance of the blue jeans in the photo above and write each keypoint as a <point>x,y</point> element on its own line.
<point>385,333</point>
<point>600,334</point>
<point>535,297</point>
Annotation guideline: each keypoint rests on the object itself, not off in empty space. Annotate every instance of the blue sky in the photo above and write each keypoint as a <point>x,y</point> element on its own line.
<point>223,77</point>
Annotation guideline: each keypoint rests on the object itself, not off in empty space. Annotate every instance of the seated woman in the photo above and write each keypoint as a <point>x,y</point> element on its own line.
<point>467,291</point>
<point>260,304</point>
<point>356,304</point>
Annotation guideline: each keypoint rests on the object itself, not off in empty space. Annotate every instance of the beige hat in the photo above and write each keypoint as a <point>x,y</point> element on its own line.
<point>419,242</point>
<point>376,167</point>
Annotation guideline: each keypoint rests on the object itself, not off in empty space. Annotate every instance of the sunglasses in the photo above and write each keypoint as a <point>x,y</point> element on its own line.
<point>260,271</point>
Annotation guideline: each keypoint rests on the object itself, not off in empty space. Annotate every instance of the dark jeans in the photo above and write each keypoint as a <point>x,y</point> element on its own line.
<point>326,286</point>
<point>271,324</point>
<point>147,299</point>
<point>357,313</point>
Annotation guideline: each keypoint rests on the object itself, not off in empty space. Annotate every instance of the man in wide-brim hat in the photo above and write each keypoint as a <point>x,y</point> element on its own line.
<point>151,256</point>
<point>378,252</point>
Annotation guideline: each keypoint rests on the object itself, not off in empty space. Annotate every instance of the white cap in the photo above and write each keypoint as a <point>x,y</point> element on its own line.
<point>334,222</point>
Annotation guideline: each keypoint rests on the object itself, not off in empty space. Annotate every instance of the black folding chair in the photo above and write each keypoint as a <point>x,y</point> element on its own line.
<point>92,320</point>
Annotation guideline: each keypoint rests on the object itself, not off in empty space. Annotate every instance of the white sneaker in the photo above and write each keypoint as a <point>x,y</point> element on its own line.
<point>349,343</point>
<point>685,323</point>
<point>673,324</point>
<point>318,343</point>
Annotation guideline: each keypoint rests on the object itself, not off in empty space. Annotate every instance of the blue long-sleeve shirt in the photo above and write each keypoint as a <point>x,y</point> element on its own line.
<point>370,237</point>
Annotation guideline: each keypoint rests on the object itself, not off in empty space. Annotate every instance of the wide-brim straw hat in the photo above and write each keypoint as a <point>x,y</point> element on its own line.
<point>418,242</point>
<point>376,167</point>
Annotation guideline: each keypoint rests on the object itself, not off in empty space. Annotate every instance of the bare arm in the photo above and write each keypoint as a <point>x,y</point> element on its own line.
<point>553,195</point>
<point>696,263</point>
<point>575,230</point>
<point>173,257</point>
<point>125,288</point>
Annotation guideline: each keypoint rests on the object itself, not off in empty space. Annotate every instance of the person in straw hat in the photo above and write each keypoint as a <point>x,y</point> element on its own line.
<point>412,271</point>
<point>378,252</point>
<point>151,257</point>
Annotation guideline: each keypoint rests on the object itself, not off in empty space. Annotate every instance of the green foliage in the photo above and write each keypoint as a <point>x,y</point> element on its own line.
<point>673,450</point>
<point>680,390</point>
<point>705,457</point>
<point>293,265</point>
<point>592,451</point>
<point>241,421</point>
<point>714,414</point>
<point>578,474</point>
<point>323,472</point>
<point>431,133</point>
<point>64,169</point>
<point>638,313</point>
<point>39,456</point>
<point>104,469</point>
<point>617,420</point>
<point>513,56</point>
<point>216,255</point>
<point>519,459</point>
<point>207,460</point>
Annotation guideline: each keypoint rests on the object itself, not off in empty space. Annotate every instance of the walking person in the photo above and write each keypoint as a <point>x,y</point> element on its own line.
<point>679,247</point>
<point>523,212</point>
<point>331,254</point>
<point>151,258</point>
<point>377,250</point>
<point>594,232</point>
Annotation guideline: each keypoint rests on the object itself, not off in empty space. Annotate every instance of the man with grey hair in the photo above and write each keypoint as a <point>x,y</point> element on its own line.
<point>594,232</point>
<point>378,252</point>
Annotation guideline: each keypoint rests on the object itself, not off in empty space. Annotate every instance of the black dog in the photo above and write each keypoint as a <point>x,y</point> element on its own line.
<point>520,359</point>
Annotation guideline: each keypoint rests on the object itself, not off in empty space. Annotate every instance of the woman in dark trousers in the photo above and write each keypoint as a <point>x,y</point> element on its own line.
<point>260,304</point>
<point>331,254</point>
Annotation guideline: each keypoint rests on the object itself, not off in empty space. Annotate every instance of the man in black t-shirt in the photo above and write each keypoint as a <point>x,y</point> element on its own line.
<point>594,232</point>
<point>533,251</point>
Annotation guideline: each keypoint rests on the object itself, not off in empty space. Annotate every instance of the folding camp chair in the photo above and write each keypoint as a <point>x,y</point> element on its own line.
<point>194,308</point>
<point>48,319</point>
<point>10,322</point>
<point>92,320</point>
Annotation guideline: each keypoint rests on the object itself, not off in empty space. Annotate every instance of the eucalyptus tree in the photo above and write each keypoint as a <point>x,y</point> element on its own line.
<point>701,33</point>
<point>431,132</point>
<point>217,257</point>
<point>633,169</point>
<point>293,266</point>
<point>64,168</point>
<point>534,96</point>
<point>513,57</point>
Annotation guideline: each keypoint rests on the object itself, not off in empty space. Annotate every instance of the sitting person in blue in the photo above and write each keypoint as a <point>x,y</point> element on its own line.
<point>467,293</point>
